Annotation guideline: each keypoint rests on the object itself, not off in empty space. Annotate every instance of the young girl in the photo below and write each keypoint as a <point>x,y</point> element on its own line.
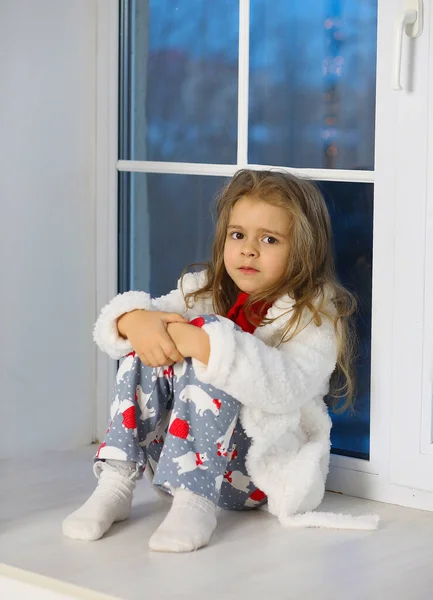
<point>254,342</point>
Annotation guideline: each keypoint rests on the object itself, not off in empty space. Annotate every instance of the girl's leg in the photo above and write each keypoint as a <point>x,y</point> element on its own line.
<point>191,520</point>
<point>194,459</point>
<point>238,492</point>
<point>142,398</point>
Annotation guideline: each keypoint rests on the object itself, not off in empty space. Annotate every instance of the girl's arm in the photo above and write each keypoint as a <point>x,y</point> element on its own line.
<point>191,341</point>
<point>275,380</point>
<point>106,333</point>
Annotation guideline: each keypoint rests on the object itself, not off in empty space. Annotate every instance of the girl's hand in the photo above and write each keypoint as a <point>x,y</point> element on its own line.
<point>190,340</point>
<point>147,332</point>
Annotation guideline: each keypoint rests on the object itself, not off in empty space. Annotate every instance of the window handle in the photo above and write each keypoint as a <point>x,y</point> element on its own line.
<point>410,22</point>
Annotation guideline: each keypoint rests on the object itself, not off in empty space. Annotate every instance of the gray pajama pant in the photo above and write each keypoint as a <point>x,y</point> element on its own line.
<point>186,432</point>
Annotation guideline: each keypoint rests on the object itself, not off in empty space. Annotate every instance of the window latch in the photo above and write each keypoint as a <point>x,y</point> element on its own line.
<point>411,23</point>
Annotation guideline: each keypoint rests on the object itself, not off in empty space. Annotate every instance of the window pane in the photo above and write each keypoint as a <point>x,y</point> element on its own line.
<point>351,209</point>
<point>178,74</point>
<point>313,83</point>
<point>171,226</point>
<point>170,223</point>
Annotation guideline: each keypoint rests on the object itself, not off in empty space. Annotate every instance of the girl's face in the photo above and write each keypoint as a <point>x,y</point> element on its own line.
<point>257,246</point>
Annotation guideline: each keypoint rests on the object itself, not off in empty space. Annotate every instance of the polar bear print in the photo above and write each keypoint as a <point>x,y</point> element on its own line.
<point>151,437</point>
<point>233,453</point>
<point>157,433</point>
<point>180,369</point>
<point>238,480</point>
<point>254,498</point>
<point>201,400</point>
<point>114,408</point>
<point>218,482</point>
<point>125,366</point>
<point>142,400</point>
<point>223,442</point>
<point>162,372</point>
<point>190,462</point>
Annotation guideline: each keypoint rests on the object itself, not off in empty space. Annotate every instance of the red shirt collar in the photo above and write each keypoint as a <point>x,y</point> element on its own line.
<point>238,316</point>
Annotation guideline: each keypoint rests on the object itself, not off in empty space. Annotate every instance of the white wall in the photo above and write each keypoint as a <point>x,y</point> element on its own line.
<point>47,228</point>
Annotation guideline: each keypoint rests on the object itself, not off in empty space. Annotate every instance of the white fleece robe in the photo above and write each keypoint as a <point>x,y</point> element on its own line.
<point>281,390</point>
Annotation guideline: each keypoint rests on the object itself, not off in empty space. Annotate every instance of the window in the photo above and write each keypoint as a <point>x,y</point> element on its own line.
<point>205,85</point>
<point>393,234</point>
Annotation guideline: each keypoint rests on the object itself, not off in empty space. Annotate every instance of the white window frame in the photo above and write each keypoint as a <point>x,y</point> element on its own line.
<point>399,116</point>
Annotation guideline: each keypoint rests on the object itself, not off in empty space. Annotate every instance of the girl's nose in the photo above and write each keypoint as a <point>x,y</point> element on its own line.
<point>249,251</point>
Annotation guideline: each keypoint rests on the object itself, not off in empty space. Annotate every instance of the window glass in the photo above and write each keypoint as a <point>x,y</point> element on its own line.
<point>179,81</point>
<point>171,224</point>
<point>312,83</point>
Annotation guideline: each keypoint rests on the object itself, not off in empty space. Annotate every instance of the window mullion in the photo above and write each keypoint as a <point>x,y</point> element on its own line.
<point>181,168</point>
<point>243,81</point>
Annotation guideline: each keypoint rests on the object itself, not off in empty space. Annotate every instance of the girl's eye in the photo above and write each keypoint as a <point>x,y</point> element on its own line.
<point>271,240</point>
<point>236,235</point>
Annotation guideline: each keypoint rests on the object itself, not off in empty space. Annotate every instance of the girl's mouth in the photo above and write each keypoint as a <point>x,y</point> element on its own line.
<point>248,270</point>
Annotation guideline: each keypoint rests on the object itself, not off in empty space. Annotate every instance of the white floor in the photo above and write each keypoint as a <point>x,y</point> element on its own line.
<point>251,555</point>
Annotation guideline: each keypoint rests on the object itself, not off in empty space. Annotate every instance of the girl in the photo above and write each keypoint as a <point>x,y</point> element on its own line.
<point>255,342</point>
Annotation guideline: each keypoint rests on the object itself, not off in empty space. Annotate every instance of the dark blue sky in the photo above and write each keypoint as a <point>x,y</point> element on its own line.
<point>205,28</point>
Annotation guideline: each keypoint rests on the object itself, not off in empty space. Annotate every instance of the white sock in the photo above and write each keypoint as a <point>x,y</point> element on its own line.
<point>110,502</point>
<point>188,525</point>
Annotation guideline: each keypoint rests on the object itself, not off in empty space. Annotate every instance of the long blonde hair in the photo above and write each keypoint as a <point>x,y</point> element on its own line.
<point>310,277</point>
